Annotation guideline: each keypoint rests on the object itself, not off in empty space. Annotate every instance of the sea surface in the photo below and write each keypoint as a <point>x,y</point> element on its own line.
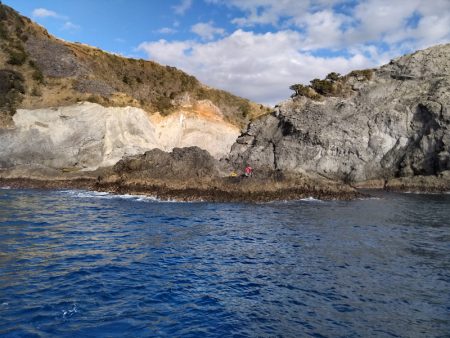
<point>85,264</point>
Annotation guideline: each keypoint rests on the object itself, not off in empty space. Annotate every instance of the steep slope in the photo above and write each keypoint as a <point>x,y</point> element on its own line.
<point>71,107</point>
<point>375,124</point>
<point>40,71</point>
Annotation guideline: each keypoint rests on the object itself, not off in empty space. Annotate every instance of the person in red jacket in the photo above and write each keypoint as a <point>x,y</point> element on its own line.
<point>248,171</point>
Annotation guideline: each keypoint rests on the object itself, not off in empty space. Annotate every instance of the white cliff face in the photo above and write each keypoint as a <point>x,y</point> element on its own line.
<point>185,129</point>
<point>88,136</point>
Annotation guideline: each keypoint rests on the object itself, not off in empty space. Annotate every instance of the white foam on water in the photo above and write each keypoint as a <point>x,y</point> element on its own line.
<point>85,193</point>
<point>107,195</point>
<point>307,199</point>
<point>310,199</point>
<point>70,312</point>
<point>5,188</point>
<point>143,198</point>
<point>424,193</point>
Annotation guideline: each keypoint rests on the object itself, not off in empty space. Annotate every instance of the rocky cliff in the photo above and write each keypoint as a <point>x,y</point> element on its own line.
<point>68,106</point>
<point>375,124</point>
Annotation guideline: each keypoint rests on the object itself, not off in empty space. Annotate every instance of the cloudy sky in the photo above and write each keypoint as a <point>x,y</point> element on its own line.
<point>253,48</point>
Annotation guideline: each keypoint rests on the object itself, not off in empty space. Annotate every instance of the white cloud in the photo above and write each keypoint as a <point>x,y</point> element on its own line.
<point>207,31</point>
<point>256,66</point>
<point>322,29</point>
<point>182,7</point>
<point>352,34</point>
<point>68,25</point>
<point>166,30</point>
<point>45,13</point>
<point>362,22</point>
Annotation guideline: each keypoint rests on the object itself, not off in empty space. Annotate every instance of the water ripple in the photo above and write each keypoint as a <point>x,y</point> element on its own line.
<point>76,263</point>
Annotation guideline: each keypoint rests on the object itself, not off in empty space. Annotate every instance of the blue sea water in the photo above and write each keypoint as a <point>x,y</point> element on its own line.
<point>84,264</point>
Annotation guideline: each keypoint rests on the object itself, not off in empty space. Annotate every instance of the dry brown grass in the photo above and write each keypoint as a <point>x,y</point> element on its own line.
<point>107,79</point>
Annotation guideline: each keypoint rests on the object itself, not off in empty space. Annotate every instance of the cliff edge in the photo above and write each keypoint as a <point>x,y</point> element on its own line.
<point>382,124</point>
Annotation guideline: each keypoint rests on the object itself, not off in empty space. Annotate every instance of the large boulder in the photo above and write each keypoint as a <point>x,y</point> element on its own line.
<point>180,164</point>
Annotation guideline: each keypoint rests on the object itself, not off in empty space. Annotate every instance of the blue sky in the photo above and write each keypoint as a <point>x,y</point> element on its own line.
<point>253,48</point>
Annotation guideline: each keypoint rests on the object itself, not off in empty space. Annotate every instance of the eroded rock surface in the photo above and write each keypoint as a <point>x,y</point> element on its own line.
<point>394,125</point>
<point>88,136</point>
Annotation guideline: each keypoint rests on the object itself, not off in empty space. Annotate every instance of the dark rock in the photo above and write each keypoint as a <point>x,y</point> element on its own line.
<point>181,163</point>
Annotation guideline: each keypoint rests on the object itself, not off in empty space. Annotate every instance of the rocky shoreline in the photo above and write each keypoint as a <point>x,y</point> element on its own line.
<point>229,189</point>
<point>223,190</point>
<point>192,174</point>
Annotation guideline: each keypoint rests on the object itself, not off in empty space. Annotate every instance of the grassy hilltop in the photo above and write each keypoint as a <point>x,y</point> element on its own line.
<point>38,70</point>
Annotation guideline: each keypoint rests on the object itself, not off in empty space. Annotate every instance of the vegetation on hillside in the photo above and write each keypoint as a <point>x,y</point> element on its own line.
<point>12,56</point>
<point>333,85</point>
<point>11,90</point>
<point>55,72</point>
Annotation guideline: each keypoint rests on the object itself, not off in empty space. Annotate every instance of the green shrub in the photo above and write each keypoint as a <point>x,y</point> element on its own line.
<point>323,87</point>
<point>245,110</point>
<point>11,90</point>
<point>19,29</point>
<point>17,57</point>
<point>93,99</point>
<point>164,105</point>
<point>333,76</point>
<point>23,37</point>
<point>3,31</point>
<point>365,73</point>
<point>3,14</point>
<point>38,76</point>
<point>306,91</point>
<point>300,90</point>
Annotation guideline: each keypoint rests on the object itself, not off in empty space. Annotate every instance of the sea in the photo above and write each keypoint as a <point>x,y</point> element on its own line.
<point>76,263</point>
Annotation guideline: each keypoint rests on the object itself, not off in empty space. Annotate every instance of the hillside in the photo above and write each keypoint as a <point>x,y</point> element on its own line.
<point>382,124</point>
<point>38,70</point>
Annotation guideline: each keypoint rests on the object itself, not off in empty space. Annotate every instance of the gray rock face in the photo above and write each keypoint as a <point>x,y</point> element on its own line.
<point>54,59</point>
<point>394,125</point>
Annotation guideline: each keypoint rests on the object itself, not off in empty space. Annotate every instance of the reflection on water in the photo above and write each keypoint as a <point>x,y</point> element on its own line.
<point>83,264</point>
